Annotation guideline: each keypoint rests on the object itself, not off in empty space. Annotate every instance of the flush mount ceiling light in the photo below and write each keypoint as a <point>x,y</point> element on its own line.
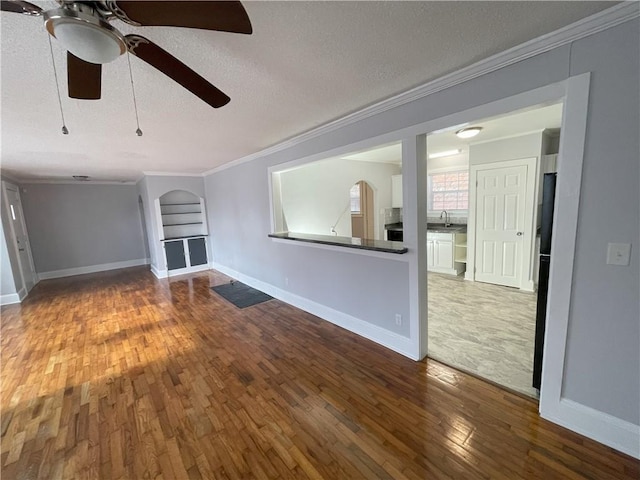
<point>446,153</point>
<point>468,132</point>
<point>88,37</point>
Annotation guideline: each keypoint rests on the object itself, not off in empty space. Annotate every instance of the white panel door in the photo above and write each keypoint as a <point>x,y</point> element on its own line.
<point>500,218</point>
<point>19,232</point>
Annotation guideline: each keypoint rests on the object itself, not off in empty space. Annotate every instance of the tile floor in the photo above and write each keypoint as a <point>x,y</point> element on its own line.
<point>484,329</point>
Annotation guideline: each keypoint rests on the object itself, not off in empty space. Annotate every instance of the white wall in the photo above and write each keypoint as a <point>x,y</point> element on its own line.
<point>76,226</point>
<point>602,367</point>
<point>454,162</point>
<point>512,148</point>
<point>316,196</point>
<point>603,345</point>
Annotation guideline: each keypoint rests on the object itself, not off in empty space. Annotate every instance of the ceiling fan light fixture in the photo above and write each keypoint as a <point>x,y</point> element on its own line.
<point>85,36</point>
<point>468,132</point>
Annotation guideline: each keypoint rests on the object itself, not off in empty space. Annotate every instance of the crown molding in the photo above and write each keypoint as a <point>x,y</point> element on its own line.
<point>9,177</point>
<point>75,182</point>
<point>585,27</point>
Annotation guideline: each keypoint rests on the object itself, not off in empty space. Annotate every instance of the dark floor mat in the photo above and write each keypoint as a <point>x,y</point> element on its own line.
<point>241,295</point>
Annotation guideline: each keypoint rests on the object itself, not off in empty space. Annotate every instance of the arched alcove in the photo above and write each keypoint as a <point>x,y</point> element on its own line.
<point>182,215</point>
<point>362,212</point>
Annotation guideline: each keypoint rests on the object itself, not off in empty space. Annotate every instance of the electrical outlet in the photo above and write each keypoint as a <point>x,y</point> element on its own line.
<point>286,281</point>
<point>398,319</point>
<point>618,254</point>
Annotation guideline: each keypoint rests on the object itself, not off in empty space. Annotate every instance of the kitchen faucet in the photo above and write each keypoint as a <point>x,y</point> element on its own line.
<point>446,218</point>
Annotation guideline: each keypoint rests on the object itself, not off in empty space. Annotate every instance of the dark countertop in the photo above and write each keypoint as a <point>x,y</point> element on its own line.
<point>349,242</point>
<point>440,228</point>
<point>432,227</point>
<point>169,239</point>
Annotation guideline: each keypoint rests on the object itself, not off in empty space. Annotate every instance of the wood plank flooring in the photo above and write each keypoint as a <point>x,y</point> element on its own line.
<point>119,375</point>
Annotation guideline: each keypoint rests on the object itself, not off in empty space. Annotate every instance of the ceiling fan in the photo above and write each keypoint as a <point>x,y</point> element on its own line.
<point>83,29</point>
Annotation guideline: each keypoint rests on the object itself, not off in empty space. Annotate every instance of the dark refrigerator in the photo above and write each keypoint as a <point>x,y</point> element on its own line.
<point>546,227</point>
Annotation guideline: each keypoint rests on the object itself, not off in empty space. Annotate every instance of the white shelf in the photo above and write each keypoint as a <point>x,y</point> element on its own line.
<point>182,215</point>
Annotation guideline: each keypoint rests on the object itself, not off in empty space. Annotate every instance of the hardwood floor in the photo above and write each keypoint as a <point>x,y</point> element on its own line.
<point>119,375</point>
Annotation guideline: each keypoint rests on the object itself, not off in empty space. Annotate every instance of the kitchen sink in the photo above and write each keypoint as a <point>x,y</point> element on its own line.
<point>451,228</point>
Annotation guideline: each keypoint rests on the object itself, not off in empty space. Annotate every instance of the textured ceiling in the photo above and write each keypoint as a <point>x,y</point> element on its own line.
<point>307,63</point>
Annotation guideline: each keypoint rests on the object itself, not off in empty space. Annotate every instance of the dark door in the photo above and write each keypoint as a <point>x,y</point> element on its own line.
<point>197,251</point>
<point>175,254</point>
<point>541,317</point>
<point>546,227</point>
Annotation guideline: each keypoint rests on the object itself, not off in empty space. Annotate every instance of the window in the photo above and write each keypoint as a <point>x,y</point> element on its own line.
<point>448,191</point>
<point>354,195</point>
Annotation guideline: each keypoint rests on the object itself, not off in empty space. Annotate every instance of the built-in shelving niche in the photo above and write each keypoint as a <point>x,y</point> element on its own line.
<point>182,215</point>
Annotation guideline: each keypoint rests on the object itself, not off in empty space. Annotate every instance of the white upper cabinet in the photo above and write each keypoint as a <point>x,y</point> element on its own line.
<point>396,191</point>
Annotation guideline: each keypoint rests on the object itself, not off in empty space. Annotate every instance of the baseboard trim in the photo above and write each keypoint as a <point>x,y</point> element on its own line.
<point>379,335</point>
<point>160,274</point>
<point>10,298</point>
<point>184,271</point>
<point>528,286</point>
<point>69,272</point>
<point>604,428</point>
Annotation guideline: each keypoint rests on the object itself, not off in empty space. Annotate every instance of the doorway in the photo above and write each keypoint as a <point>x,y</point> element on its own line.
<point>19,237</point>
<point>361,205</point>
<point>482,306</point>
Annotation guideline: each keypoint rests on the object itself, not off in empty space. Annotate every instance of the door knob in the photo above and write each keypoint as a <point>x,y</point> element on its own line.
<point>519,234</point>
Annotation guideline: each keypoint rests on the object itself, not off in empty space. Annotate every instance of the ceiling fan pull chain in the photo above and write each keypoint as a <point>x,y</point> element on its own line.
<point>133,90</point>
<point>65,130</point>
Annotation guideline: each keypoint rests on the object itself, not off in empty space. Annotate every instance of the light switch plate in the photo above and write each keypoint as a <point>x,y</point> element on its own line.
<point>618,253</point>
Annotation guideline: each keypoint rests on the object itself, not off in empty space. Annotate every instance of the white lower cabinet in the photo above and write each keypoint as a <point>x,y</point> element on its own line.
<point>441,248</point>
<point>185,255</point>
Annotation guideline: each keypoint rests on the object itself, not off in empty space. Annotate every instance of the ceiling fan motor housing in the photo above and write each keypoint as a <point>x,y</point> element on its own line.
<point>82,31</point>
<point>82,28</point>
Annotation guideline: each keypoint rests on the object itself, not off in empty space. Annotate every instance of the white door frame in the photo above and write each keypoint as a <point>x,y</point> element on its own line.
<point>532,164</point>
<point>574,92</point>
<point>13,244</point>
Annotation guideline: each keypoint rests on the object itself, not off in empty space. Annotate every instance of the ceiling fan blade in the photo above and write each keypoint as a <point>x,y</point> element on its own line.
<point>84,78</point>
<point>223,16</point>
<point>18,6</point>
<point>176,70</point>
